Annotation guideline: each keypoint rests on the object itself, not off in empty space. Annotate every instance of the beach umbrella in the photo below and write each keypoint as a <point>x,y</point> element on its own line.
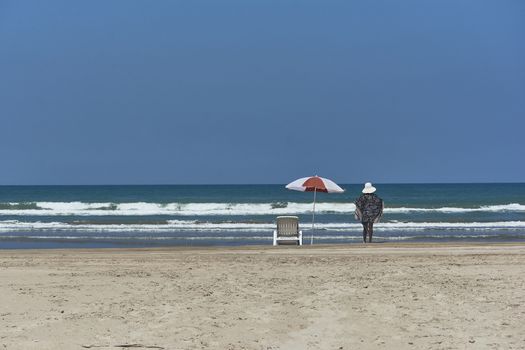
<point>314,184</point>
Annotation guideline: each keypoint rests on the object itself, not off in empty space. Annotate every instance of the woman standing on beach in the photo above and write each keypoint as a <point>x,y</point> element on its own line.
<point>368,209</point>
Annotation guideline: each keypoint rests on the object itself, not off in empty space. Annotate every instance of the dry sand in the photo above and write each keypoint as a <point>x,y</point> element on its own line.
<point>381,296</point>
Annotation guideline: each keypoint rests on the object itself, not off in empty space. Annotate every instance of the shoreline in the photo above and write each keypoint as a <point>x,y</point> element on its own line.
<point>334,246</point>
<point>237,247</point>
<point>32,243</point>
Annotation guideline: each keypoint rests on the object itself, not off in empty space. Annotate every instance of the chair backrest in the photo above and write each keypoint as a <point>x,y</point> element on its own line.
<point>287,226</point>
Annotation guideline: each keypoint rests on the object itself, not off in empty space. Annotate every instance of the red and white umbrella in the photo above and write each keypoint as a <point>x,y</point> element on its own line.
<point>314,184</point>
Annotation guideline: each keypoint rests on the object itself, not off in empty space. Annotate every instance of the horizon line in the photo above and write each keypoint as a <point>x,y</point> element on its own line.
<point>263,184</point>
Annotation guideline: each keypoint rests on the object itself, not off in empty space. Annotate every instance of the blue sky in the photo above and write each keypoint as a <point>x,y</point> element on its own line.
<point>146,92</point>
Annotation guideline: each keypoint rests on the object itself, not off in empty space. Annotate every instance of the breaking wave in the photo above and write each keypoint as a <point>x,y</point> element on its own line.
<point>211,209</point>
<point>191,225</point>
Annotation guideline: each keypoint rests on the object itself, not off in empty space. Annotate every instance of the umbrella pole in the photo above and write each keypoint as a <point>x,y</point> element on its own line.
<point>313,218</point>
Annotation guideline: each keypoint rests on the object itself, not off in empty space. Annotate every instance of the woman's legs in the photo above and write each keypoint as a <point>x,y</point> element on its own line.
<point>368,228</point>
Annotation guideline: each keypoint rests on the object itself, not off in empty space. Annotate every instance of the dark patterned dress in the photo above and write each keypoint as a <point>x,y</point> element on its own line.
<point>368,209</point>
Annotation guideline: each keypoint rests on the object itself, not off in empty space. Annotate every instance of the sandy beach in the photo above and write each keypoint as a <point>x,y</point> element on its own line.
<point>383,296</point>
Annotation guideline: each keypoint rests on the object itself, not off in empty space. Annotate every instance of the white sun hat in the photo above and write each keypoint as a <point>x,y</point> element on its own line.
<point>369,188</point>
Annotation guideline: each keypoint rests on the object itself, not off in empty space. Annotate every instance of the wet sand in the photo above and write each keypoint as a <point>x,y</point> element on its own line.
<point>380,296</point>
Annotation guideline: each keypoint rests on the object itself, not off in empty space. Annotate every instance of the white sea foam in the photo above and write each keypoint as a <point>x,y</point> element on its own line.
<point>213,209</point>
<point>485,208</point>
<point>344,236</point>
<point>189,225</point>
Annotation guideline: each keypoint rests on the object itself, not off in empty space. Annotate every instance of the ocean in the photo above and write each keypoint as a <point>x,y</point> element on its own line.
<point>197,215</point>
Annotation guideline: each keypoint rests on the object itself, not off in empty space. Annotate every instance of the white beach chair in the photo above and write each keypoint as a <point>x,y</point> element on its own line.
<point>287,231</point>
